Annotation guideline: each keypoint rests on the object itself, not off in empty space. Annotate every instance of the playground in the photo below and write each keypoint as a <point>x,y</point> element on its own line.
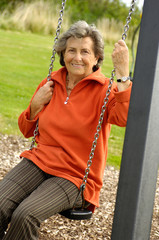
<point>133,203</point>
<point>60,228</point>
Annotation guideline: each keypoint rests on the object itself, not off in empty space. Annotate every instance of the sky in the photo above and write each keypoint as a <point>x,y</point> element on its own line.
<point>139,3</point>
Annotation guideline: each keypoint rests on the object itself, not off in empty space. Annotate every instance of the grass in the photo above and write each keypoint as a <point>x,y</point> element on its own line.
<point>24,61</point>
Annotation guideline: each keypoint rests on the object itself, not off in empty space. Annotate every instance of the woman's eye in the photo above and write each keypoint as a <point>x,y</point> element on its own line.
<point>71,50</point>
<point>85,51</point>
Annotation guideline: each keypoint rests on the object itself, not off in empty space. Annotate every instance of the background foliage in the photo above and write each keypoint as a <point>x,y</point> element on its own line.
<point>41,16</point>
<point>89,10</point>
<point>94,10</point>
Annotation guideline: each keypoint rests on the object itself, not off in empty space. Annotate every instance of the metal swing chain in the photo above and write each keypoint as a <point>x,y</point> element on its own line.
<point>56,38</point>
<point>99,126</point>
<point>36,131</point>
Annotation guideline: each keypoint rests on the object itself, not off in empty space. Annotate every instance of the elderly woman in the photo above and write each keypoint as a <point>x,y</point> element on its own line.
<point>48,178</point>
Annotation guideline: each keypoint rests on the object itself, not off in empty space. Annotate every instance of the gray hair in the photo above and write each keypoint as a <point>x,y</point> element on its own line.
<point>82,29</point>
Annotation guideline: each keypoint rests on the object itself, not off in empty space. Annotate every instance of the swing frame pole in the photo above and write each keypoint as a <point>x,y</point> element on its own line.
<point>140,160</point>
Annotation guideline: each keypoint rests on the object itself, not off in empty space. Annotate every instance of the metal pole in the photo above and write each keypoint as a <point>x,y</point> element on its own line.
<point>140,160</point>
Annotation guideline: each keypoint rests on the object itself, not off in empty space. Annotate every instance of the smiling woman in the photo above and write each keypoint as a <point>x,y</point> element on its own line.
<point>51,173</point>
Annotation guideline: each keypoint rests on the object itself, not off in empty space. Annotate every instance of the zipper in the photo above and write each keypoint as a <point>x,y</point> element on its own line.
<point>68,97</point>
<point>66,101</point>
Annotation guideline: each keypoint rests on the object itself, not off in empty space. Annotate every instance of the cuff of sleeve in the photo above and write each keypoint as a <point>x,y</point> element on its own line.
<point>123,96</point>
<point>27,115</point>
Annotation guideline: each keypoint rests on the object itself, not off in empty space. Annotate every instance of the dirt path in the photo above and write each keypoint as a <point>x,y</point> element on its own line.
<point>60,228</point>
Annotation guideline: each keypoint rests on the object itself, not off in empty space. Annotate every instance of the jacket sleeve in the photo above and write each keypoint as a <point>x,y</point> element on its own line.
<point>26,125</point>
<point>118,106</point>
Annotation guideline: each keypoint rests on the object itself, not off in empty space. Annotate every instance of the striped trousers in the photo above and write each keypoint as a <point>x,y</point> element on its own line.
<point>28,196</point>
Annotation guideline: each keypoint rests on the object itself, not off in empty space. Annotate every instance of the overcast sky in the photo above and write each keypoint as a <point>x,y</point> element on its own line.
<point>139,2</point>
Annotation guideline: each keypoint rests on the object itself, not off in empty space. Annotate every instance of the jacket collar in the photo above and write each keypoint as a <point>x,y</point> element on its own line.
<point>60,76</point>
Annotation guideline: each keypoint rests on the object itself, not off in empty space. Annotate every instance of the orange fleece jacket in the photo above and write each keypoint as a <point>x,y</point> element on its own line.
<point>66,130</point>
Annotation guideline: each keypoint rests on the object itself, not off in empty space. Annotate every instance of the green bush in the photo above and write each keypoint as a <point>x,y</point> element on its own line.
<point>92,11</point>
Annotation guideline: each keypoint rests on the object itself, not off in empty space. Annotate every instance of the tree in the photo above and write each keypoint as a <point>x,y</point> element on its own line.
<point>91,11</point>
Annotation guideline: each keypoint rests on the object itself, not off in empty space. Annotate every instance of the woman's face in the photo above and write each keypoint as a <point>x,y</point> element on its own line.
<point>79,57</point>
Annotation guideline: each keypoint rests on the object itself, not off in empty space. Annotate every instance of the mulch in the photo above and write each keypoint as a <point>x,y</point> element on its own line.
<point>60,228</point>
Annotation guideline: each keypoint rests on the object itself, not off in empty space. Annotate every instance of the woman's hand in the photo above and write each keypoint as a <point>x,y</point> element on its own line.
<point>120,58</point>
<point>41,98</point>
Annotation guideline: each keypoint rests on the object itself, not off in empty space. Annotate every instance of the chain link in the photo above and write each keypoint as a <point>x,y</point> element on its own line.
<point>56,38</point>
<point>128,19</point>
<point>106,99</point>
<point>36,131</point>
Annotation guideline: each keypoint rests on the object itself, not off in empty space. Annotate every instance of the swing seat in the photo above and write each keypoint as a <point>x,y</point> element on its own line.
<point>77,214</point>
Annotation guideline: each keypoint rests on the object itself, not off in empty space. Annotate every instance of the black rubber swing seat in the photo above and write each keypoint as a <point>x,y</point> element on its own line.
<point>77,214</point>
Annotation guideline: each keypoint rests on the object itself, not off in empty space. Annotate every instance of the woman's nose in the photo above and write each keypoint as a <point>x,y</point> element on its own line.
<point>77,56</point>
